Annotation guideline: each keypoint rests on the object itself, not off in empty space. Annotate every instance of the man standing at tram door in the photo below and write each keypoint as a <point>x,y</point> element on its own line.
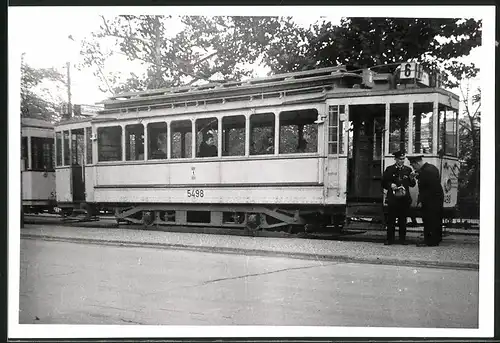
<point>431,195</point>
<point>397,180</point>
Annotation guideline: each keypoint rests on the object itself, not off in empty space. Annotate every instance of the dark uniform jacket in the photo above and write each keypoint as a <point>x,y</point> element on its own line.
<point>430,191</point>
<point>400,177</point>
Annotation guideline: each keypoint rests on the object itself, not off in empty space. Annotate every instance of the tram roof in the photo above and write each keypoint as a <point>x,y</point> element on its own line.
<point>35,122</point>
<point>279,82</point>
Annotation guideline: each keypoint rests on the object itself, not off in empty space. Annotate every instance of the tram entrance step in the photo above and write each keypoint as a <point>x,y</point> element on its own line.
<point>365,210</point>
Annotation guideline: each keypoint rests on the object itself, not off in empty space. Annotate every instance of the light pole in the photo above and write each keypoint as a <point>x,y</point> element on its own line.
<point>70,107</point>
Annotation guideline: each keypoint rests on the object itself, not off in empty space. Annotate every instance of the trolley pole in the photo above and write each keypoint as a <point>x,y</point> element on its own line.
<point>70,107</point>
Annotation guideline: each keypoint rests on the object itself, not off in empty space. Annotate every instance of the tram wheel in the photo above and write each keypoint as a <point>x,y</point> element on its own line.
<point>148,218</point>
<point>253,222</point>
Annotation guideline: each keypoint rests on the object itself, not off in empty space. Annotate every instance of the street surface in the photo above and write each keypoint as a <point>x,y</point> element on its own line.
<point>69,283</point>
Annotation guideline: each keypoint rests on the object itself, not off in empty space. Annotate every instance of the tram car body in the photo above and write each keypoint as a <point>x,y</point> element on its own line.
<point>286,150</point>
<point>37,168</point>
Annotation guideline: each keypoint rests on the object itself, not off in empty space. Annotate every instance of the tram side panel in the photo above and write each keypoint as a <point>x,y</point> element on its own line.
<point>266,181</point>
<point>63,185</point>
<point>335,182</point>
<point>39,188</point>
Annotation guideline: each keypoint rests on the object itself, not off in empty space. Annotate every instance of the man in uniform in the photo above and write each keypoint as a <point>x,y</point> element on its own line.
<point>397,180</point>
<point>431,196</point>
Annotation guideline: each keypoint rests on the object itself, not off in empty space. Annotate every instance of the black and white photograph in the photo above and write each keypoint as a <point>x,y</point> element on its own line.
<point>251,171</point>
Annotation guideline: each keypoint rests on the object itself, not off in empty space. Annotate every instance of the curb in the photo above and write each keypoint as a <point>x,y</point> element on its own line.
<point>261,252</point>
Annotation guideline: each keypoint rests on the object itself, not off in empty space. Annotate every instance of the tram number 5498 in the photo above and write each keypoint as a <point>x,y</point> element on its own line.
<point>195,193</point>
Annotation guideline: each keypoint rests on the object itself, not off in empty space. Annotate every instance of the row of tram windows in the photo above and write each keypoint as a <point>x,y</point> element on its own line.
<point>42,153</point>
<point>423,128</point>
<point>367,127</point>
<point>298,133</point>
<point>71,148</point>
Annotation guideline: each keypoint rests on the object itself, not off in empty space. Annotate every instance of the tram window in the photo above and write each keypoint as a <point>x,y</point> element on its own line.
<point>233,136</point>
<point>447,130</point>
<point>422,128</point>
<point>262,134</point>
<point>398,127</point>
<point>24,152</point>
<point>181,138</point>
<point>109,143</point>
<point>67,152</point>
<point>77,146</point>
<point>89,144</point>
<point>298,132</point>
<point>335,129</point>
<point>206,137</point>
<point>134,142</point>
<point>58,149</point>
<point>157,137</point>
<point>42,150</point>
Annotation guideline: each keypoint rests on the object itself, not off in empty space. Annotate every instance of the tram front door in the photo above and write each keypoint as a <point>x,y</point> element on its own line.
<point>367,123</point>
<point>77,165</point>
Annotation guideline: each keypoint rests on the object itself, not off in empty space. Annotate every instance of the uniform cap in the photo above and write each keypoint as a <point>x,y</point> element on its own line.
<point>399,154</point>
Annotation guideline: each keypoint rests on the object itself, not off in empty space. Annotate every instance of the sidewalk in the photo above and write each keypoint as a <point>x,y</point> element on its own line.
<point>450,254</point>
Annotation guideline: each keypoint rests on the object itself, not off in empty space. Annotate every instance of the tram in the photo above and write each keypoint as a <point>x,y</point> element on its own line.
<point>38,177</point>
<point>303,149</point>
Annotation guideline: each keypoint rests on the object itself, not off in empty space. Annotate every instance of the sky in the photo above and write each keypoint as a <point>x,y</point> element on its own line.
<point>49,46</point>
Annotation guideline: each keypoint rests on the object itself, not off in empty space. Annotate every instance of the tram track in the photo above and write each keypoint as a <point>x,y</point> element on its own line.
<point>110,222</point>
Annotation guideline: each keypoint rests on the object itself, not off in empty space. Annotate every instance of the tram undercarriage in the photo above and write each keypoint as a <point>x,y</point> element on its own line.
<point>247,217</point>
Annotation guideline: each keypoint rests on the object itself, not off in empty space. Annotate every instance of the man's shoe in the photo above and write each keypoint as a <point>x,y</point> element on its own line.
<point>422,245</point>
<point>387,243</point>
<point>403,242</point>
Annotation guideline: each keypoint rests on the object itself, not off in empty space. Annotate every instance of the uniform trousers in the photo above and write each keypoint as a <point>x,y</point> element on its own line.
<point>398,208</point>
<point>433,226</point>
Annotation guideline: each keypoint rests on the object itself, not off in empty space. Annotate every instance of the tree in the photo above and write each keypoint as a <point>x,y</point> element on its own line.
<point>211,49</point>
<point>469,132</point>
<point>217,49</point>
<point>33,102</point>
<point>368,42</point>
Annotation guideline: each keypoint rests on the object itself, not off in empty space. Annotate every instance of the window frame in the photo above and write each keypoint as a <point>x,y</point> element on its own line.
<point>43,148</point>
<point>99,145</point>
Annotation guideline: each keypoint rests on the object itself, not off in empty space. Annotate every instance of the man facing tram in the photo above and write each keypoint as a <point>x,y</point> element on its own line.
<point>431,195</point>
<point>397,180</point>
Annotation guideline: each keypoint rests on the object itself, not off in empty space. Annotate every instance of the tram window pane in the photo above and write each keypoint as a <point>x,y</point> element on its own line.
<point>42,150</point>
<point>262,134</point>
<point>298,132</point>
<point>181,138</point>
<point>77,146</point>
<point>233,136</point>
<point>422,127</point>
<point>158,142</point>
<point>109,143</point>
<point>58,149</point>
<point>333,132</point>
<point>398,127</point>
<point>341,130</point>
<point>447,130</point>
<point>67,152</point>
<point>134,142</point>
<point>206,137</point>
<point>24,152</point>
<point>89,145</point>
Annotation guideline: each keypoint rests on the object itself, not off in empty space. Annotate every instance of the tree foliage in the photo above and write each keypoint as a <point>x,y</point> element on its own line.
<point>470,143</point>
<point>207,48</point>
<point>223,48</point>
<point>368,42</point>
<point>33,103</point>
